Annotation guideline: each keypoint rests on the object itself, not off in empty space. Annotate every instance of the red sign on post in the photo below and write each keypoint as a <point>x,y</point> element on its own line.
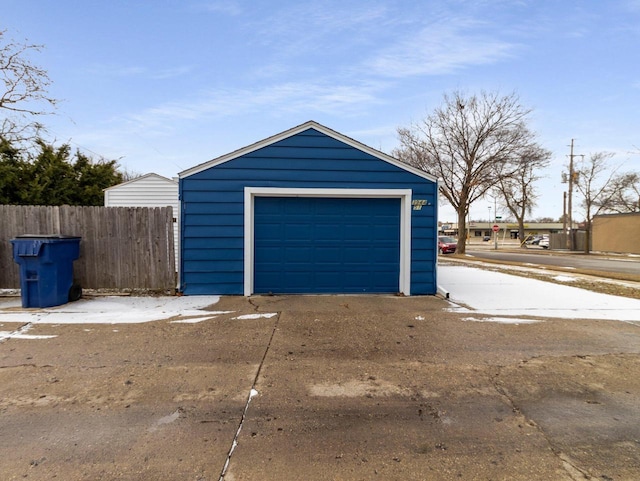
<point>496,227</point>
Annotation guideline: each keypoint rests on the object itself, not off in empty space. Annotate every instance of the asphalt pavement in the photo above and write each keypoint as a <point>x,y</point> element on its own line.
<point>609,265</point>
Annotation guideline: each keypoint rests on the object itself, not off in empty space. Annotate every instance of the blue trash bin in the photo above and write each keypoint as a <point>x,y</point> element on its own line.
<point>46,269</point>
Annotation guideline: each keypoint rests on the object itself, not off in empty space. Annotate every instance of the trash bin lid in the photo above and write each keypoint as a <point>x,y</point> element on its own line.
<point>27,246</point>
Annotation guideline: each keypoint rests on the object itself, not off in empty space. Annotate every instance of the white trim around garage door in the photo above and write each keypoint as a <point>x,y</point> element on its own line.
<point>250,193</point>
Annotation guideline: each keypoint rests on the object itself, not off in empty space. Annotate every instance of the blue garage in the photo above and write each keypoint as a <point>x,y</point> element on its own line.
<point>308,210</point>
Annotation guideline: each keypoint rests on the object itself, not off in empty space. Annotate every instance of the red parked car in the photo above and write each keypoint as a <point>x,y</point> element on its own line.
<point>447,245</point>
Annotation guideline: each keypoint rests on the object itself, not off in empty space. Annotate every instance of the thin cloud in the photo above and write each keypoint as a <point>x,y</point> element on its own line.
<point>171,73</point>
<point>286,97</point>
<point>224,7</point>
<point>103,70</point>
<point>320,29</point>
<point>632,5</point>
<point>121,71</point>
<point>440,48</point>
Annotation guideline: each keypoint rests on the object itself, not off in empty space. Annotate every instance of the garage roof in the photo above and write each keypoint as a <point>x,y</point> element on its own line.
<point>296,130</point>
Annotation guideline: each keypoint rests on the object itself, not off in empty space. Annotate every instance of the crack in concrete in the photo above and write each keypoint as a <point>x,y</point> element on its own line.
<point>255,306</point>
<point>574,472</point>
<point>252,393</point>
<point>35,366</point>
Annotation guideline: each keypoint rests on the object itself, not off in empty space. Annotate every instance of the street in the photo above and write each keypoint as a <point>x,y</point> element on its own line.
<point>595,263</point>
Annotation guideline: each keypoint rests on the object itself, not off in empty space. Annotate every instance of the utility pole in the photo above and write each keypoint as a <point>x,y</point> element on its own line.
<point>569,232</point>
<point>564,212</point>
<point>572,176</point>
<point>569,201</point>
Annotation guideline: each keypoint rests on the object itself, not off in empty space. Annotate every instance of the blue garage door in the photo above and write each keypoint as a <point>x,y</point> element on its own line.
<point>326,245</point>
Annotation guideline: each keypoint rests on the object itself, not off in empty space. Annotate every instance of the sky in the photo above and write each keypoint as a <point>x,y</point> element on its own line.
<point>165,85</point>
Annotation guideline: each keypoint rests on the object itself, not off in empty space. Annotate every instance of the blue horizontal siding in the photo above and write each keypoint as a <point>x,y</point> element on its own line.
<point>297,176</point>
<point>222,253</point>
<point>213,205</point>
<point>311,139</point>
<point>207,208</point>
<point>422,255</point>
<point>198,265</point>
<point>216,230</point>
<point>221,219</point>
<point>217,243</point>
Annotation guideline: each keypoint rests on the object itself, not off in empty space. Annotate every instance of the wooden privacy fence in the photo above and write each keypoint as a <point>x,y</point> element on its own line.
<point>559,241</point>
<point>121,247</point>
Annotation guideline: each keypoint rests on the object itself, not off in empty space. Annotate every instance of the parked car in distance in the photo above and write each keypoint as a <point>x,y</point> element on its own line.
<point>544,242</point>
<point>447,245</point>
<point>533,240</point>
<point>486,238</point>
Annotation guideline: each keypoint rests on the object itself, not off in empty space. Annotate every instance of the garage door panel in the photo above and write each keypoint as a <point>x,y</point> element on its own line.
<point>274,254</point>
<point>298,254</point>
<point>324,231</point>
<point>357,255</point>
<point>385,258</point>
<point>385,232</point>
<point>293,278</point>
<point>356,232</point>
<point>327,255</point>
<point>301,232</point>
<point>326,245</point>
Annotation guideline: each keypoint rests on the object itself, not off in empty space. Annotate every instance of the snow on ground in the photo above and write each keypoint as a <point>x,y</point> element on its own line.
<point>494,293</point>
<point>503,320</point>
<point>474,291</point>
<point>112,310</point>
<point>564,279</point>
<point>267,315</point>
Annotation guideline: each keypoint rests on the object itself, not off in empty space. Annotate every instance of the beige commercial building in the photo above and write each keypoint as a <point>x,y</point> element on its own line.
<point>507,230</point>
<point>617,233</point>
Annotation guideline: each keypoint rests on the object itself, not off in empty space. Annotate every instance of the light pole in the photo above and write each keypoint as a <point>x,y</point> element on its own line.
<point>493,234</point>
<point>495,219</point>
<point>489,213</point>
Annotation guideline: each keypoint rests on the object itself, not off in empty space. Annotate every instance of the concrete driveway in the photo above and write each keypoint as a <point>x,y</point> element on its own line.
<point>327,388</point>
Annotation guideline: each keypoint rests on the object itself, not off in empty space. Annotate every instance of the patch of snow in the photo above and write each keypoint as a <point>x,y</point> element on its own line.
<point>253,393</point>
<point>266,315</point>
<point>9,292</point>
<point>494,293</point>
<point>165,420</point>
<point>503,320</point>
<point>564,279</point>
<point>112,310</point>
<point>10,302</point>
<point>193,320</point>
<point>18,335</point>
<point>419,318</point>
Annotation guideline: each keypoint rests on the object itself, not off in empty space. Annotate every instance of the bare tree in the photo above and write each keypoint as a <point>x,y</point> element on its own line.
<point>23,91</point>
<point>622,194</point>
<point>518,190</point>
<point>594,180</point>
<point>469,143</point>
